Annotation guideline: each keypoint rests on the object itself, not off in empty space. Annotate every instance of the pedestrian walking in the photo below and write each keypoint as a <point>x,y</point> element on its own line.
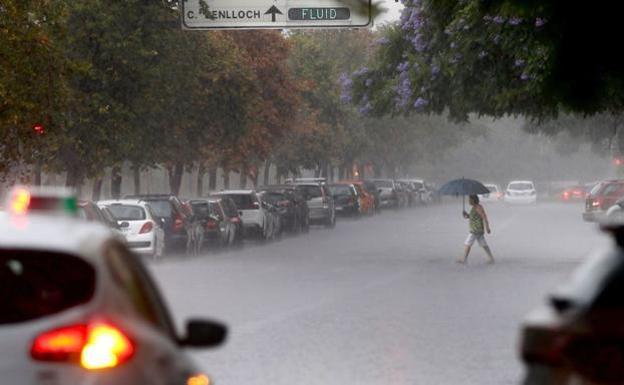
<point>478,225</point>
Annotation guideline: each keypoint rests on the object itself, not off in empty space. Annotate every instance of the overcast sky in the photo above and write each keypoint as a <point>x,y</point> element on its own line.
<point>392,13</point>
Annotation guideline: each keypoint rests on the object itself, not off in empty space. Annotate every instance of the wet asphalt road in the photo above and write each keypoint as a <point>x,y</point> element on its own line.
<point>381,300</point>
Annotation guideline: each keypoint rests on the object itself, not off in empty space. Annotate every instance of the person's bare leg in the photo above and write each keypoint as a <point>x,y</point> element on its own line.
<point>489,253</point>
<point>465,258</point>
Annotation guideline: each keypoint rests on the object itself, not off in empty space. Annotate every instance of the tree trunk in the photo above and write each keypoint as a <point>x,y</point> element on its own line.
<point>136,174</point>
<point>226,178</point>
<point>175,178</point>
<point>267,171</point>
<point>116,179</point>
<point>212,179</point>
<point>200,179</point>
<point>96,192</point>
<point>243,177</point>
<point>317,172</point>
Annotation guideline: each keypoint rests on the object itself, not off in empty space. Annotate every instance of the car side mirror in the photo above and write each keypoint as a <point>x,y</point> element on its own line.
<point>124,225</point>
<point>203,333</point>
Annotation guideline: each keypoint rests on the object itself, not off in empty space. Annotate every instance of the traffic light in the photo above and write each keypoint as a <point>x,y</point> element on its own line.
<point>39,129</point>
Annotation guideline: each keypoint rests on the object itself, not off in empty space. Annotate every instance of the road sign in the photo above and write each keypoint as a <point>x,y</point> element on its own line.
<point>278,14</point>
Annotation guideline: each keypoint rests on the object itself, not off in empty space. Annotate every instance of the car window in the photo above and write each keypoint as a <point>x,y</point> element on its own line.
<point>127,212</point>
<point>201,209</point>
<point>131,280</point>
<point>520,186</point>
<point>312,191</point>
<point>243,201</point>
<point>340,190</point>
<point>163,209</point>
<point>215,209</point>
<point>491,187</point>
<point>613,189</point>
<point>35,284</point>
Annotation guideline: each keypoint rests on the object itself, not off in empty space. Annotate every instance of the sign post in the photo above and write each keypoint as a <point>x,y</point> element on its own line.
<point>274,14</point>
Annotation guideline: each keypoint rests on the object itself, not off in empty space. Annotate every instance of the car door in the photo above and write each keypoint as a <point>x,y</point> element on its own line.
<point>164,363</point>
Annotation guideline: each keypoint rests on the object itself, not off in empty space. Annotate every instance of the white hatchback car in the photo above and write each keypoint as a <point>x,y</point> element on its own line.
<point>139,224</point>
<point>257,220</point>
<point>521,191</point>
<point>78,307</point>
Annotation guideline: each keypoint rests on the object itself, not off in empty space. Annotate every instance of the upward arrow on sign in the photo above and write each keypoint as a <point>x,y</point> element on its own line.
<point>273,11</point>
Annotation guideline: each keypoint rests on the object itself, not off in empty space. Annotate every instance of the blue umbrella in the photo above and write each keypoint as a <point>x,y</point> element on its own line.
<point>463,187</point>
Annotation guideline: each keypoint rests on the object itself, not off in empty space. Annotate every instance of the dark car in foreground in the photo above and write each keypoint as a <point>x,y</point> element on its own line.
<point>601,198</point>
<point>577,338</point>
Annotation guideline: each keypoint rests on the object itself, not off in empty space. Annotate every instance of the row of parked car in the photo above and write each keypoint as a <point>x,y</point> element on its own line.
<point>156,224</point>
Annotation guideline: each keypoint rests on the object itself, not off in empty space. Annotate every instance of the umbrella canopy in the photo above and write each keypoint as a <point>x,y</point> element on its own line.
<point>463,187</point>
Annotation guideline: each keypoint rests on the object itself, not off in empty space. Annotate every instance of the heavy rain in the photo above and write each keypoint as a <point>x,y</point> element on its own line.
<point>335,192</point>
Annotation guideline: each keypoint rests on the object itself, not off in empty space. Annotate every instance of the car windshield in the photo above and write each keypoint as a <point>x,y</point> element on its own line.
<point>491,187</point>
<point>273,197</point>
<point>520,186</point>
<point>162,208</point>
<point>201,209</point>
<point>37,284</point>
<point>311,191</point>
<point>243,201</point>
<point>127,212</point>
<point>338,190</point>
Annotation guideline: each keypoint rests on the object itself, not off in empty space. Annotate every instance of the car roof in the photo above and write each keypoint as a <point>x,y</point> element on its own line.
<point>239,192</point>
<point>50,233</point>
<point>134,202</point>
<point>521,181</point>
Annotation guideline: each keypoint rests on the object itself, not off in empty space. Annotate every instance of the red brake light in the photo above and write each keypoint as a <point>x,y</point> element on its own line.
<point>146,228</point>
<point>211,224</point>
<point>62,344</point>
<point>95,346</point>
<point>178,224</point>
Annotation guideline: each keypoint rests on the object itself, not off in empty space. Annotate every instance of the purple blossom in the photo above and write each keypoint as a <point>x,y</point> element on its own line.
<point>403,66</point>
<point>515,20</point>
<point>453,45</point>
<point>519,62</point>
<point>487,18</point>
<point>539,22</point>
<point>482,54</point>
<point>498,19</point>
<point>420,103</point>
<point>346,88</point>
<point>369,82</point>
<point>404,87</point>
<point>435,70</point>
<point>524,76</point>
<point>497,38</point>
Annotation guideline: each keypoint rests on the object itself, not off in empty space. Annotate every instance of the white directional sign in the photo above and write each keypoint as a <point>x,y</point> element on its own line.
<point>248,14</point>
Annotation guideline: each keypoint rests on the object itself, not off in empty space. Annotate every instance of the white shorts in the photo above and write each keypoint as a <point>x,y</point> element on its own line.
<point>480,238</point>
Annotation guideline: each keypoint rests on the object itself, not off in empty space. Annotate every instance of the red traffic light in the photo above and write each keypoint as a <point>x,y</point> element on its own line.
<point>39,129</point>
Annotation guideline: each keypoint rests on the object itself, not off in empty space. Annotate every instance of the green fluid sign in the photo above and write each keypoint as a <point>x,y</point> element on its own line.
<point>319,14</point>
